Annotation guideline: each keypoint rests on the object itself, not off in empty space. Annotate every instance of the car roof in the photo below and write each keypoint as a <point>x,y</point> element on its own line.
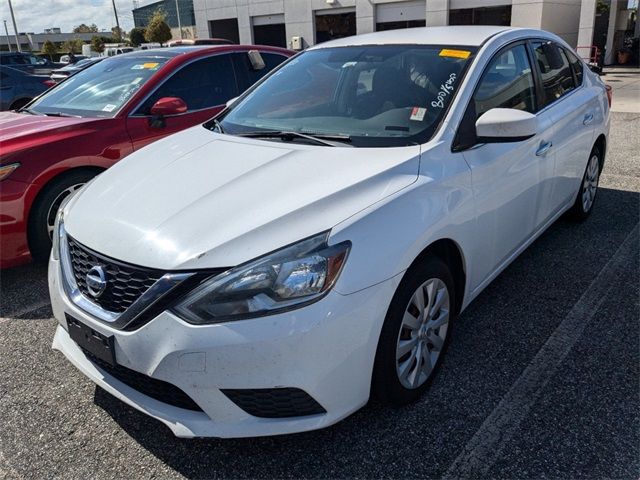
<point>467,35</point>
<point>169,52</point>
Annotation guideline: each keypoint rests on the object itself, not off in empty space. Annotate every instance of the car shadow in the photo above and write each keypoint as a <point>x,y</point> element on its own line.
<point>493,341</point>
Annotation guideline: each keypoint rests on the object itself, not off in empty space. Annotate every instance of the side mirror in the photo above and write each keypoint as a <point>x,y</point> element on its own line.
<point>501,125</point>
<point>231,102</point>
<point>168,106</point>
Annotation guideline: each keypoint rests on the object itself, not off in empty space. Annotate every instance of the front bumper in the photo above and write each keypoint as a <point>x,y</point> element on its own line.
<point>14,203</point>
<point>326,349</point>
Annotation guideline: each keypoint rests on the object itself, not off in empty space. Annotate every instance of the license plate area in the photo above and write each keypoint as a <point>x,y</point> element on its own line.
<point>94,342</point>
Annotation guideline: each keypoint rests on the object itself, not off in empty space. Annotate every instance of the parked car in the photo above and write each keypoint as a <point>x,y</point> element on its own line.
<point>64,59</point>
<point>200,41</point>
<point>314,243</point>
<point>17,87</point>
<point>98,116</point>
<point>63,73</point>
<point>28,62</point>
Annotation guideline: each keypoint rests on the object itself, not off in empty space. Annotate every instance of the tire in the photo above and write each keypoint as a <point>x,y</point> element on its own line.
<point>18,104</point>
<point>393,382</point>
<point>46,206</point>
<point>588,188</point>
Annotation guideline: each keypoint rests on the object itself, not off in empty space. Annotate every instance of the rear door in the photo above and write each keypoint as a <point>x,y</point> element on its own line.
<point>572,109</point>
<point>205,85</point>
<point>510,180</point>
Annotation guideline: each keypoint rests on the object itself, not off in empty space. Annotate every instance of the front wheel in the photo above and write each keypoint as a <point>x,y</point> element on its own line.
<point>415,333</point>
<point>588,188</point>
<point>44,211</point>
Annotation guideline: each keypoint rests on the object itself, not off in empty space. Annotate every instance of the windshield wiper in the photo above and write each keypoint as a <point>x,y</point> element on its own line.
<point>60,114</point>
<point>320,139</point>
<point>29,111</point>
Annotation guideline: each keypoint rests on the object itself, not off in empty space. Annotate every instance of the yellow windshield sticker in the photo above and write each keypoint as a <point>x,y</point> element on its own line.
<point>446,52</point>
<point>149,65</point>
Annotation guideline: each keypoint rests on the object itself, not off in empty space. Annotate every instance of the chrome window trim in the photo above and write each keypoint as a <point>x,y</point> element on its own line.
<point>117,320</point>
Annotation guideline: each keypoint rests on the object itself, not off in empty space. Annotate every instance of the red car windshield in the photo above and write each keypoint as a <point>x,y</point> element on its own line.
<point>100,90</point>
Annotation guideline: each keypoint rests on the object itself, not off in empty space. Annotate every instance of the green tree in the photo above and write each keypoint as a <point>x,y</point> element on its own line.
<point>117,33</point>
<point>50,49</point>
<point>97,44</point>
<point>74,46</point>
<point>136,36</point>
<point>158,30</point>
<point>83,28</point>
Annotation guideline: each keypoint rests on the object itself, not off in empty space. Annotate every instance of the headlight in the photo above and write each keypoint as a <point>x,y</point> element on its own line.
<point>288,278</point>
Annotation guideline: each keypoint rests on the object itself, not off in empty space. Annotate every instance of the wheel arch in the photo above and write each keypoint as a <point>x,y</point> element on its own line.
<point>19,101</point>
<point>47,184</point>
<point>601,143</point>
<point>450,252</point>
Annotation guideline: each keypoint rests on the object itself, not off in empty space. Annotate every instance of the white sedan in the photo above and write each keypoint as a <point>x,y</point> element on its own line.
<point>267,272</point>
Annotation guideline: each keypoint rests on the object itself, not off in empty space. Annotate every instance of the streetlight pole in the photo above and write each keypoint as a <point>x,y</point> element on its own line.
<point>115,12</point>
<point>6,31</point>
<point>178,15</point>
<point>15,29</point>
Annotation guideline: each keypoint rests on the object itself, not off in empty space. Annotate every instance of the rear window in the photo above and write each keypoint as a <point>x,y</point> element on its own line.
<point>556,73</point>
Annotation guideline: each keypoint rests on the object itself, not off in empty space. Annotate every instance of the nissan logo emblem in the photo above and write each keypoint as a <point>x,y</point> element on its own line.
<point>96,281</point>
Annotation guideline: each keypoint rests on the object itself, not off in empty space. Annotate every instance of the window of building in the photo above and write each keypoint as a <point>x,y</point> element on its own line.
<point>226,28</point>
<point>557,79</point>
<point>481,16</point>
<point>507,83</point>
<point>202,84</point>
<point>400,24</point>
<point>330,26</point>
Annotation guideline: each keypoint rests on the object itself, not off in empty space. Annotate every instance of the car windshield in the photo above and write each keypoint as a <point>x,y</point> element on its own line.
<point>99,90</point>
<point>376,96</point>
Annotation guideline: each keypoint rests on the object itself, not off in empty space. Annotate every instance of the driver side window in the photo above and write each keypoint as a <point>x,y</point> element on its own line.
<point>507,83</point>
<point>205,83</point>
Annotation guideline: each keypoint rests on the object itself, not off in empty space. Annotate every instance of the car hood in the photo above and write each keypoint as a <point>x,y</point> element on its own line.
<point>21,130</point>
<point>198,199</point>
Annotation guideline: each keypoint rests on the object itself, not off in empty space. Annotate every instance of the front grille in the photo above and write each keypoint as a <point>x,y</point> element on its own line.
<point>274,402</point>
<point>125,283</point>
<point>157,389</point>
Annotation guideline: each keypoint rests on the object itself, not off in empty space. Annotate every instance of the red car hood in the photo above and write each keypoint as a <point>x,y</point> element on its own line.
<point>21,130</point>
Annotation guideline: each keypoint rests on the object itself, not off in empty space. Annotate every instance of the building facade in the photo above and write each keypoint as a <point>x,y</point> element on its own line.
<point>142,16</point>
<point>301,23</point>
<point>35,41</point>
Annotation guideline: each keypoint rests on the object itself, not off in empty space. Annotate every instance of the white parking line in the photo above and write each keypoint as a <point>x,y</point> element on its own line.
<point>25,311</point>
<point>486,445</point>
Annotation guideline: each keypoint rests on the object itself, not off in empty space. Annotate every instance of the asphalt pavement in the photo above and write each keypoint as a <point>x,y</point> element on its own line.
<point>541,379</point>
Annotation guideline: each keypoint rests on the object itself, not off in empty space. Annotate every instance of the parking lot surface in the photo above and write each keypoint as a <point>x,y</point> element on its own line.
<point>541,378</point>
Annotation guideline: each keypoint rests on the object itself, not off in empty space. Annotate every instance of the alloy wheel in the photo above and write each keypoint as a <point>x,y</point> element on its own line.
<point>590,183</point>
<point>422,333</point>
<point>55,205</point>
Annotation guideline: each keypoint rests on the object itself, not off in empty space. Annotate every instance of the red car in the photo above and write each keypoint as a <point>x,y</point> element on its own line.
<point>87,123</point>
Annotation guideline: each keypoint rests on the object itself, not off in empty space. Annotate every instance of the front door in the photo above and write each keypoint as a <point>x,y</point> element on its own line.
<point>205,85</point>
<point>510,180</point>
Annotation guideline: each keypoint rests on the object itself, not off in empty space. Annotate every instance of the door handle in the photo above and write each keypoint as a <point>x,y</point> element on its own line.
<point>543,149</point>
<point>588,118</point>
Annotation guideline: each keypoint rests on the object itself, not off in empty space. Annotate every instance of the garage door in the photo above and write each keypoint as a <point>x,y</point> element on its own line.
<point>390,16</point>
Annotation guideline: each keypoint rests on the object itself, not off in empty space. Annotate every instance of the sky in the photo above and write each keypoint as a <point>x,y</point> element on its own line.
<point>36,15</point>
